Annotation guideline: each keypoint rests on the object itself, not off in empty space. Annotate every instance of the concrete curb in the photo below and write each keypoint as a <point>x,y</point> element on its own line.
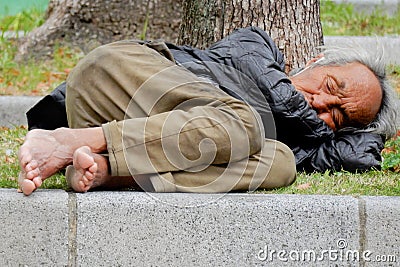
<point>56,228</point>
<point>13,109</point>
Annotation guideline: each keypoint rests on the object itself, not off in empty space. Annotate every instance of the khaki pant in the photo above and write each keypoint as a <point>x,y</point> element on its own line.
<point>169,129</point>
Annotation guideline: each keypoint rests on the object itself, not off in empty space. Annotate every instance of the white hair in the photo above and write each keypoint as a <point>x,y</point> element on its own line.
<point>386,122</point>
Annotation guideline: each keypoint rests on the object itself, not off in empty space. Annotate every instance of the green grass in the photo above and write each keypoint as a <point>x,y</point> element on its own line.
<point>33,77</point>
<point>391,155</point>
<point>10,141</point>
<point>40,77</point>
<point>386,182</point>
<point>373,183</point>
<point>342,19</point>
<point>24,21</point>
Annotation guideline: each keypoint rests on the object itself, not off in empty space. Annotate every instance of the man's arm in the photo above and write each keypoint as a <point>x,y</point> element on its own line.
<point>350,152</point>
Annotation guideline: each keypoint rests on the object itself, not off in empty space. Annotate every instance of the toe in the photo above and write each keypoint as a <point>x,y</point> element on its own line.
<point>24,161</point>
<point>32,174</point>
<point>93,168</point>
<point>82,186</point>
<point>89,175</point>
<point>86,181</point>
<point>31,165</point>
<point>37,181</point>
<point>27,187</point>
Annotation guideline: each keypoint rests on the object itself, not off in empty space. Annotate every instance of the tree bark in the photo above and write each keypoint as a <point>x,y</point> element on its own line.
<point>294,25</point>
<point>90,23</point>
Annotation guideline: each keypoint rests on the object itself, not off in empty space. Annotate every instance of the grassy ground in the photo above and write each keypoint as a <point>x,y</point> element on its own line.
<point>386,182</point>
<point>10,141</point>
<point>38,78</point>
<point>342,19</point>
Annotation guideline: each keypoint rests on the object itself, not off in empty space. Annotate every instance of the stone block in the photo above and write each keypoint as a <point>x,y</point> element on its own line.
<point>382,231</point>
<point>140,229</point>
<point>34,229</point>
<point>13,109</point>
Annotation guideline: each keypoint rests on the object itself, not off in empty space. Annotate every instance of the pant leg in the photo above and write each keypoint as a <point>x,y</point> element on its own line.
<point>160,118</point>
<point>157,116</point>
<point>273,167</point>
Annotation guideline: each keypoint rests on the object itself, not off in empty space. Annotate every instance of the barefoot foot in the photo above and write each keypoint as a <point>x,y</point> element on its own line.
<point>80,176</point>
<point>89,170</point>
<point>46,152</point>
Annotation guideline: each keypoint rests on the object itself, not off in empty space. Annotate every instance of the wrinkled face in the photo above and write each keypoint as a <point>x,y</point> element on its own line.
<point>347,95</point>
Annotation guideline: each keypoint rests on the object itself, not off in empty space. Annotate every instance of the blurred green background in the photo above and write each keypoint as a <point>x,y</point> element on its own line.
<point>12,7</point>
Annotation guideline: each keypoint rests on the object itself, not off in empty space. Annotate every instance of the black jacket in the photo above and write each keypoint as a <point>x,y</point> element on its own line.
<point>248,66</point>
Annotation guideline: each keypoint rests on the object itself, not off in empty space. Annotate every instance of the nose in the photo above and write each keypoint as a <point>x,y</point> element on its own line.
<point>324,102</point>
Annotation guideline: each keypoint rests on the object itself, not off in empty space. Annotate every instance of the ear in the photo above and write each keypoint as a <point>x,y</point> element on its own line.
<point>311,61</point>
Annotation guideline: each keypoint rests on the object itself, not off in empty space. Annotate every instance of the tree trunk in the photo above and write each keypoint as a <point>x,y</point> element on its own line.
<point>294,25</point>
<point>88,24</point>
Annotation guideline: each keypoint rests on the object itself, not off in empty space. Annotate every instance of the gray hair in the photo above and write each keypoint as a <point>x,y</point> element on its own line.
<point>387,119</point>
